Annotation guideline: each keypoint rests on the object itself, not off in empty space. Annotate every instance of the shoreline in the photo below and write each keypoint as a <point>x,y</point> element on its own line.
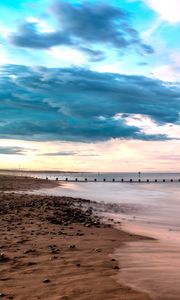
<point>56,248</point>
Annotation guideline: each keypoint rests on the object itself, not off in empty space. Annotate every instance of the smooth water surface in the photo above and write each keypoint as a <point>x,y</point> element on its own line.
<point>147,209</point>
<point>91,176</point>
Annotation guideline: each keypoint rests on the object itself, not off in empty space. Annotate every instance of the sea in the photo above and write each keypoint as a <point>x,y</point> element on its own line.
<point>100,176</point>
<point>149,208</point>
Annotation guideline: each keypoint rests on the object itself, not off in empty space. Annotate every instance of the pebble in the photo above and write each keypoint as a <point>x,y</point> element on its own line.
<point>3,257</point>
<point>46,280</point>
<point>28,251</point>
<point>2,295</point>
<point>98,250</point>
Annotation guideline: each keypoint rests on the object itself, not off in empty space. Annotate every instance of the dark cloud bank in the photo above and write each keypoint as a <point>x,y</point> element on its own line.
<point>80,105</point>
<point>86,27</point>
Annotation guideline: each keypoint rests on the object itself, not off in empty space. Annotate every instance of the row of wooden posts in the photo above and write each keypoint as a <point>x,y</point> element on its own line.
<point>122,180</point>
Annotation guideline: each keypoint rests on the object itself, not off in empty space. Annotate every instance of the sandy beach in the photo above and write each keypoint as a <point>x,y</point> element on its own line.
<point>57,247</point>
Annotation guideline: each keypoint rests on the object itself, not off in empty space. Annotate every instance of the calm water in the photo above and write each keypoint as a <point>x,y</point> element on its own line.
<point>90,176</point>
<point>149,209</point>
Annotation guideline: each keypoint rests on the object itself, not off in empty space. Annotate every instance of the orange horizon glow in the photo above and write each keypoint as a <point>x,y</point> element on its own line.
<point>111,156</point>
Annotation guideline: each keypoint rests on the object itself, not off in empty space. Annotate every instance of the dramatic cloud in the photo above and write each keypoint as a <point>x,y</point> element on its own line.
<point>82,105</point>
<point>86,27</point>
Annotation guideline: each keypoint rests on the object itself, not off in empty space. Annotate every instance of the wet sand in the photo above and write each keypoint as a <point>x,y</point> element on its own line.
<point>152,267</point>
<point>57,248</point>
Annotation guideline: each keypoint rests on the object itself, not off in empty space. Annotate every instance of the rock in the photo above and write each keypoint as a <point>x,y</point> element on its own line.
<point>98,250</point>
<point>55,257</point>
<point>72,246</point>
<point>3,257</point>
<point>116,267</point>
<point>30,263</point>
<point>79,234</point>
<point>46,280</point>
<point>29,251</point>
<point>2,295</point>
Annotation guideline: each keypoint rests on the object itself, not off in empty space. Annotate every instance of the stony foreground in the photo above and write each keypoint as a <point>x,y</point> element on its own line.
<point>56,248</point>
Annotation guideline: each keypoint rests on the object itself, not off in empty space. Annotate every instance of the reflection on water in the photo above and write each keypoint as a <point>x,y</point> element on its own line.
<point>148,209</point>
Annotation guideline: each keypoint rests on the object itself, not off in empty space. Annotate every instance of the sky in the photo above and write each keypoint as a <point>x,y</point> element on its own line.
<point>90,85</point>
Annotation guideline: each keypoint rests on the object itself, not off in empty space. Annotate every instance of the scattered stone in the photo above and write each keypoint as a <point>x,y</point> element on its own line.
<point>98,250</point>
<point>79,234</point>
<point>116,267</point>
<point>46,280</point>
<point>29,251</point>
<point>3,258</point>
<point>31,263</point>
<point>2,295</point>
<point>55,257</point>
